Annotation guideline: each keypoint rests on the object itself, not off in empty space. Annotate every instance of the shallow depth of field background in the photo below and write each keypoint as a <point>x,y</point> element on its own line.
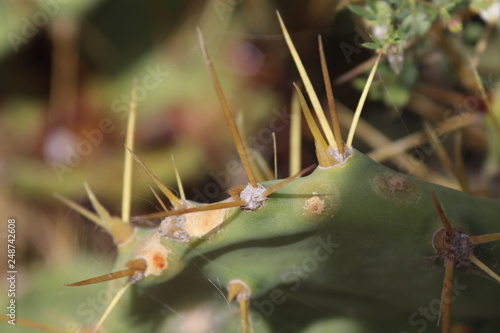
<point>65,88</point>
<point>66,71</point>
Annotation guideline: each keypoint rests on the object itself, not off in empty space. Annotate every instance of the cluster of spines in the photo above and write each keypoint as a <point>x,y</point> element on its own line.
<point>456,249</point>
<point>331,150</point>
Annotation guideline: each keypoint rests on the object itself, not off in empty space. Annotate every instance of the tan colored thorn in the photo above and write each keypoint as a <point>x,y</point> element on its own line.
<point>322,156</point>
<point>361,103</point>
<point>275,150</point>
<point>445,158</point>
<point>361,68</point>
<point>127,164</point>
<point>111,305</point>
<point>81,210</point>
<point>484,268</point>
<point>331,100</point>
<point>258,164</point>
<point>295,135</point>
<point>182,211</point>
<point>449,264</point>
<point>262,165</point>
<point>179,181</point>
<point>255,158</point>
<point>158,199</point>
<point>165,190</point>
<point>308,85</point>
<point>235,289</point>
<point>455,246</point>
<point>481,239</point>
<point>133,266</point>
<point>235,191</point>
<point>375,138</point>
<point>446,297</point>
<point>239,290</point>
<point>103,278</point>
<point>310,119</point>
<point>238,141</point>
<point>121,231</point>
<point>358,70</point>
<point>442,216</point>
<point>325,159</point>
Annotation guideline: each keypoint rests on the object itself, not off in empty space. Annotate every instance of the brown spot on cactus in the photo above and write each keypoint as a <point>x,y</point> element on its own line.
<point>159,261</point>
<point>320,206</point>
<point>397,187</point>
<point>154,253</point>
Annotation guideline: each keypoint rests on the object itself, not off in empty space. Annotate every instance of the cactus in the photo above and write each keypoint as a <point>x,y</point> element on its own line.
<point>351,247</point>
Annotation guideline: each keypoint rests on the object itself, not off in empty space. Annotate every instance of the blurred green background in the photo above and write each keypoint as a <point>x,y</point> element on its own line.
<point>67,69</point>
<point>66,72</point>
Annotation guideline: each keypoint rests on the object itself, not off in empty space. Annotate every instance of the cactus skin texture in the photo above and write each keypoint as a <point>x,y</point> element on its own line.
<point>353,240</point>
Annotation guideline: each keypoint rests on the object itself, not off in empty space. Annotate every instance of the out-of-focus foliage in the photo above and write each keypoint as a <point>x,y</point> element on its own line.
<point>65,89</point>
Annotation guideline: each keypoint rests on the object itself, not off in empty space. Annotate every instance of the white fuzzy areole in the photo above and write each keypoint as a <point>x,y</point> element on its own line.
<point>314,205</point>
<point>342,158</point>
<point>253,196</point>
<point>173,227</point>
